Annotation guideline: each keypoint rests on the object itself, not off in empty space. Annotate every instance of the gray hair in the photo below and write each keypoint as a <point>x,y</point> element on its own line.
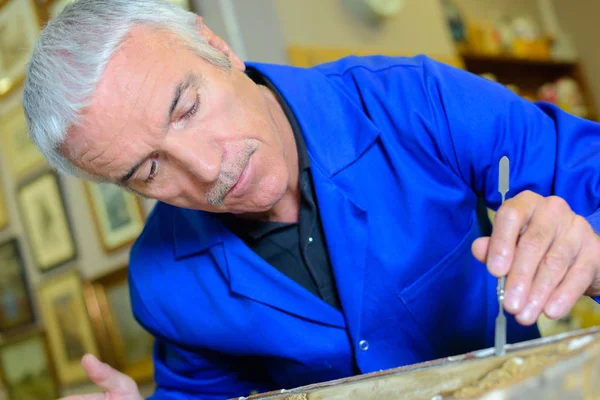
<point>72,53</point>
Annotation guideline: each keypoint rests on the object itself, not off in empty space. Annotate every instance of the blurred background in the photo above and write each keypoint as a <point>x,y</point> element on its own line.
<point>64,243</point>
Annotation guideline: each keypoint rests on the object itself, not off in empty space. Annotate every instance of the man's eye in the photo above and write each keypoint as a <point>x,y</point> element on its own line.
<point>153,170</point>
<point>193,109</point>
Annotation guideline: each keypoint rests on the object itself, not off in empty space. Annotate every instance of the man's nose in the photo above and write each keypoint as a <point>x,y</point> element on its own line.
<point>201,159</point>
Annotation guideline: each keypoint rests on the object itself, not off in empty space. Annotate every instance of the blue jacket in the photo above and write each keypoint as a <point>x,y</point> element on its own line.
<point>400,150</point>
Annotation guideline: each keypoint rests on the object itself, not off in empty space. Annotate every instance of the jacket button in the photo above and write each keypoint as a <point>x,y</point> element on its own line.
<point>363,344</point>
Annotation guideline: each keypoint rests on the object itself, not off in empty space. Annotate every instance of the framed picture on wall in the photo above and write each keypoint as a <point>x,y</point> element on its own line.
<point>68,325</point>
<point>182,3</point>
<point>27,369</point>
<point>117,214</point>
<point>19,29</point>
<point>123,341</point>
<point>20,152</point>
<point>56,6</point>
<point>3,210</point>
<point>16,308</point>
<point>46,222</point>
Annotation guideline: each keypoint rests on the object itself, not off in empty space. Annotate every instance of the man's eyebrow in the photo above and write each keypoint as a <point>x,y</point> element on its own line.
<point>191,79</point>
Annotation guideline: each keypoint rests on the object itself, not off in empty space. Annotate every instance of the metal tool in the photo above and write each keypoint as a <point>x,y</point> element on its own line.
<point>500,336</point>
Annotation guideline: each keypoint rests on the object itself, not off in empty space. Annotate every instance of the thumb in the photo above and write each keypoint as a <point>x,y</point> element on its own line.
<point>480,248</point>
<point>108,378</point>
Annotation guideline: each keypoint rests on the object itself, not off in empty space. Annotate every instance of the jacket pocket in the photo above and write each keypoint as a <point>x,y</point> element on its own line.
<point>449,303</point>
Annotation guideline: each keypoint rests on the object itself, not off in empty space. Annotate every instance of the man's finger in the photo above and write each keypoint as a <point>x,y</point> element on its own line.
<point>578,279</point>
<point>108,378</point>
<point>553,268</point>
<point>480,247</point>
<point>508,223</point>
<point>551,217</point>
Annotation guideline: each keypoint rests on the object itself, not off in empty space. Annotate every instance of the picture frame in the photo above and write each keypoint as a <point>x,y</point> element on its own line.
<point>124,343</point>
<point>46,221</point>
<point>20,24</point>
<point>35,378</point>
<point>117,215</point>
<point>21,154</point>
<point>68,326</point>
<point>56,6</point>
<point>16,304</point>
<point>186,4</point>
<point>3,210</point>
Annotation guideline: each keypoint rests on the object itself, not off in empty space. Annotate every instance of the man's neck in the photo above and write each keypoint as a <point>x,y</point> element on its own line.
<point>287,209</point>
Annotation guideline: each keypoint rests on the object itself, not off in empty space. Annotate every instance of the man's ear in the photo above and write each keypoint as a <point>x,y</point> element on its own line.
<point>215,41</point>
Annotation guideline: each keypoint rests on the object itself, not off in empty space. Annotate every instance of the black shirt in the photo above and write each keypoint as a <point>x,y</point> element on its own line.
<point>298,250</point>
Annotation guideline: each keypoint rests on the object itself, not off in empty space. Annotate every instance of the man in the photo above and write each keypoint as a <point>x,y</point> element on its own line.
<point>312,223</point>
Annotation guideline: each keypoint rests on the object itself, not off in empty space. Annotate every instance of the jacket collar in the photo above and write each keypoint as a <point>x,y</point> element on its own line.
<point>336,127</point>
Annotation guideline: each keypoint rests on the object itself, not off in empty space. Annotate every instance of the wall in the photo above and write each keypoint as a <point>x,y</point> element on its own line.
<point>495,9</point>
<point>237,22</point>
<point>419,27</point>
<point>581,24</point>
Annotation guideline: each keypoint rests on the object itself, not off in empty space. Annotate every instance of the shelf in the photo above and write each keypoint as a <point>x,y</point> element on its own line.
<point>516,61</point>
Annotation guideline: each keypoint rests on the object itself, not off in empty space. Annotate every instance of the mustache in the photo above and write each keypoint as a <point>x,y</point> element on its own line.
<point>228,177</point>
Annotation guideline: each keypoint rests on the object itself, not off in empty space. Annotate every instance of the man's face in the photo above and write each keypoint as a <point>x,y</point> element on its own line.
<point>173,127</point>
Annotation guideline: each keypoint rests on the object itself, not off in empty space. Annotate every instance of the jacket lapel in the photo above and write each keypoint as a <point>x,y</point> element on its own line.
<point>248,275</point>
<point>346,231</point>
<point>254,278</point>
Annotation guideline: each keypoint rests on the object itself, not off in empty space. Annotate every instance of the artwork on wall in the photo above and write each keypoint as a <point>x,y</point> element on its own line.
<point>56,6</point>
<point>16,308</point>
<point>27,369</point>
<point>182,3</point>
<point>3,210</point>
<point>19,29</point>
<point>22,155</point>
<point>118,214</point>
<point>69,329</point>
<point>20,152</point>
<point>124,342</point>
<point>46,221</point>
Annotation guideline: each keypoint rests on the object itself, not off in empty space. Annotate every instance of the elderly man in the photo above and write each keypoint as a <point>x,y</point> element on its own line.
<point>312,223</point>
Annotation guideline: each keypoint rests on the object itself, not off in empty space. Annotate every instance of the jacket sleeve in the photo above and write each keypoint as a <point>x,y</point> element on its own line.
<point>200,374</point>
<point>474,122</point>
<point>181,374</point>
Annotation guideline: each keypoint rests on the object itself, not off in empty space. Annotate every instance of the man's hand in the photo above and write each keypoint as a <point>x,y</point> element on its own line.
<point>116,385</point>
<point>549,255</point>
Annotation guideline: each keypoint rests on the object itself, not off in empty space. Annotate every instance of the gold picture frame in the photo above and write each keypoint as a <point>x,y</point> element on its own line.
<point>56,6</point>
<point>46,221</point>
<point>35,378</point>
<point>16,306</point>
<point>20,152</point>
<point>70,333</point>
<point>118,215</point>
<point>3,210</point>
<point>124,343</point>
<point>185,4</point>
<point>20,25</point>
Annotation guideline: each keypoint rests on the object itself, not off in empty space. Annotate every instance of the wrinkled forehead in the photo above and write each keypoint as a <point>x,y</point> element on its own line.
<point>131,100</point>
